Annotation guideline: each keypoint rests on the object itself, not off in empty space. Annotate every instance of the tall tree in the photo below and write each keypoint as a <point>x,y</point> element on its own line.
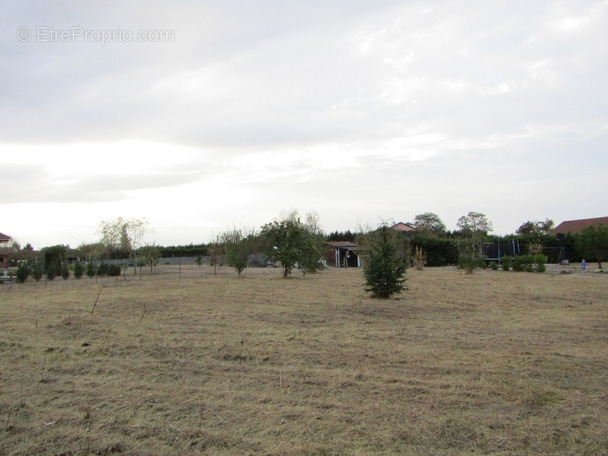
<point>473,228</point>
<point>430,224</point>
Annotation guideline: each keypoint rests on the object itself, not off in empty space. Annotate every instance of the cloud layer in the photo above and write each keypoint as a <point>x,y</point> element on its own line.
<point>230,112</point>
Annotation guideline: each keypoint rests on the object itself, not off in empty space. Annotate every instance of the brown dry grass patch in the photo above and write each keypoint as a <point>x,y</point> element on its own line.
<point>493,363</point>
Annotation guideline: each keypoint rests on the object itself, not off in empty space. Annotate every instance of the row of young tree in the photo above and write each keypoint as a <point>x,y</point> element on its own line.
<point>292,241</point>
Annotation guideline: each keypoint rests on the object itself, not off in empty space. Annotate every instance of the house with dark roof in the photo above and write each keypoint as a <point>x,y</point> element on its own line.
<point>5,244</point>
<point>575,226</point>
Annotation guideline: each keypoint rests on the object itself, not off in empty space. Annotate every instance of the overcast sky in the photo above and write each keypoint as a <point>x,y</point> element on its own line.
<point>203,115</point>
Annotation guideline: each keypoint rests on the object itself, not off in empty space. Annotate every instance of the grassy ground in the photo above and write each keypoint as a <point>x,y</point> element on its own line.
<point>493,363</point>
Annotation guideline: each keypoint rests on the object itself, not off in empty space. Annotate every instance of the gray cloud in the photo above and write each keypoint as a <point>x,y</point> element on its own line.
<point>361,101</point>
<point>33,184</point>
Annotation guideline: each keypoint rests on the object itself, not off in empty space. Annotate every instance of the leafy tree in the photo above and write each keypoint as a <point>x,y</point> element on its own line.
<point>430,224</point>
<point>473,228</point>
<point>92,251</point>
<point>535,234</point>
<point>384,263</point>
<point>592,243</point>
<point>237,248</point>
<point>311,254</point>
<point>536,228</point>
<point>149,255</point>
<point>123,235</point>
<point>294,242</point>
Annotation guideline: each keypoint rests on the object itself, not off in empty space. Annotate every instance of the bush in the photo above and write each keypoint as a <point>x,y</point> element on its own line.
<point>530,263</point>
<point>102,269</point>
<point>470,262</point>
<point>506,262</point>
<point>23,271</point>
<point>523,263</point>
<point>494,266</point>
<point>113,270</point>
<point>540,262</point>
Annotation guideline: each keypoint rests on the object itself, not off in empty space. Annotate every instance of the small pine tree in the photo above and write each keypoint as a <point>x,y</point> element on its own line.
<point>23,271</point>
<point>65,271</point>
<point>78,270</point>
<point>102,269</point>
<point>384,265</point>
<point>51,273</point>
<point>91,269</point>
<point>37,271</point>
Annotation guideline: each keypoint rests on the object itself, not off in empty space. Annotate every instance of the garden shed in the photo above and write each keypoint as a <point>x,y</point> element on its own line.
<point>343,254</point>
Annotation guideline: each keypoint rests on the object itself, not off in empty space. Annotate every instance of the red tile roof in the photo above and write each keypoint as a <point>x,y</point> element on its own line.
<point>403,227</point>
<point>574,226</point>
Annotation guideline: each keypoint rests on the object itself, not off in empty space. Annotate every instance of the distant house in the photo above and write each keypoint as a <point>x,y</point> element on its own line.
<point>405,227</point>
<point>343,254</point>
<point>5,243</point>
<point>575,226</point>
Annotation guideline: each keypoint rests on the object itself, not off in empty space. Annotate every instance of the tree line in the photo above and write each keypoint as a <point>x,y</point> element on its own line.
<point>295,242</point>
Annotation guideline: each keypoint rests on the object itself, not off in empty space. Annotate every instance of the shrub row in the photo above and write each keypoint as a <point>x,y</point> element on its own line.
<point>36,270</point>
<point>523,263</point>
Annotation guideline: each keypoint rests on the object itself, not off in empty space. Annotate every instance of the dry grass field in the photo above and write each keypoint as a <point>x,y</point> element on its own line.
<point>492,363</point>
